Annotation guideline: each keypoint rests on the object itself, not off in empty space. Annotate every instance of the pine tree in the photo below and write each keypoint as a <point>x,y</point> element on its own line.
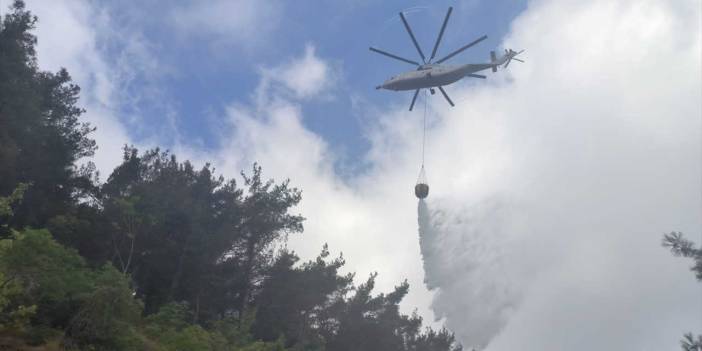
<point>41,136</point>
<point>680,246</point>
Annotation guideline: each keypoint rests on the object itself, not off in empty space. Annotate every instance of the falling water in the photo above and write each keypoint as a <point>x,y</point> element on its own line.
<point>464,263</point>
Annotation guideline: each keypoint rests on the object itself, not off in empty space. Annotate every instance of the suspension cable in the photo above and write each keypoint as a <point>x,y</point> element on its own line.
<point>424,127</point>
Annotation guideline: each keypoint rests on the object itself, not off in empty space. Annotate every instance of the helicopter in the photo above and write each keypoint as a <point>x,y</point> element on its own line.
<point>432,74</point>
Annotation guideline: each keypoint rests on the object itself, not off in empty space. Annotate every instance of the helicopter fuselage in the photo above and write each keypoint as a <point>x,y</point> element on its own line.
<point>432,75</point>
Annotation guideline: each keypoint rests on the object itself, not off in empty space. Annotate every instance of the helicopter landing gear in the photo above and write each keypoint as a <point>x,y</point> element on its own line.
<point>432,91</point>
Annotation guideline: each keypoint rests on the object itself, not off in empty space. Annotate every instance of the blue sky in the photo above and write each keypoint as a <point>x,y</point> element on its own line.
<point>208,72</point>
<point>551,182</point>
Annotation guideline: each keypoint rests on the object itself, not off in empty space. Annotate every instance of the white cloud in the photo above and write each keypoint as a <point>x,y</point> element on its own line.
<point>307,76</point>
<point>301,78</point>
<point>69,36</point>
<point>243,23</point>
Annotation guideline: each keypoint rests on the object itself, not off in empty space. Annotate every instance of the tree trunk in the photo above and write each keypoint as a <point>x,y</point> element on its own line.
<point>129,259</point>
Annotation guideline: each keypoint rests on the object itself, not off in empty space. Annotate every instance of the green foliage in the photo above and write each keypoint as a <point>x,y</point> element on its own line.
<point>15,197</point>
<point>13,318</point>
<point>169,225</point>
<point>235,336</point>
<point>680,246</point>
<point>53,278</point>
<point>173,316</point>
<point>191,338</point>
<point>366,322</point>
<point>292,298</point>
<point>107,315</point>
<point>172,329</point>
<point>86,230</point>
<point>190,236</point>
<point>300,307</point>
<point>431,340</point>
<point>235,331</point>
<point>41,136</point>
<point>262,346</point>
<point>265,220</point>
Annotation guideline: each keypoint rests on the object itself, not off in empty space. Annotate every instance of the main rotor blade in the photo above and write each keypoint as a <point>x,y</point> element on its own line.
<point>516,59</point>
<point>441,33</point>
<point>461,49</point>
<point>414,98</point>
<point>393,56</point>
<point>476,76</point>
<point>446,96</point>
<point>409,30</point>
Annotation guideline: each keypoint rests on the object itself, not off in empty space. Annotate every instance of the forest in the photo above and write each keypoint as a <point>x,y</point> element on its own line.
<point>160,254</point>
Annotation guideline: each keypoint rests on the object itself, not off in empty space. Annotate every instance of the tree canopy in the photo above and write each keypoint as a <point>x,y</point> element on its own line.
<point>41,136</point>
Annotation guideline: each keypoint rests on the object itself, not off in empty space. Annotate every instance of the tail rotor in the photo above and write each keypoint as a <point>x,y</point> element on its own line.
<point>511,55</point>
